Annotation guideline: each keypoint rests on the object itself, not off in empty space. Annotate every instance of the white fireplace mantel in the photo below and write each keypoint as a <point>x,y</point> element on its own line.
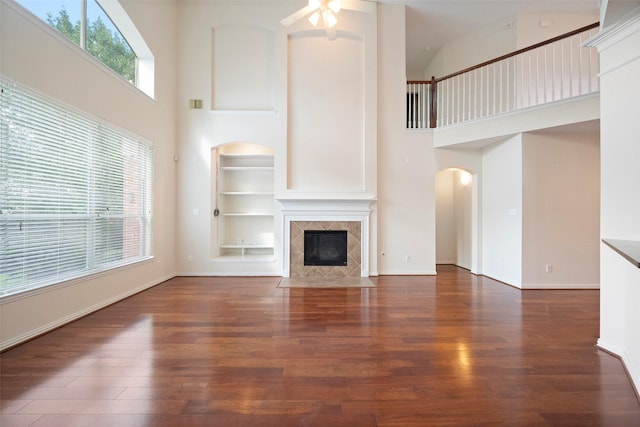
<point>326,209</point>
<point>327,205</point>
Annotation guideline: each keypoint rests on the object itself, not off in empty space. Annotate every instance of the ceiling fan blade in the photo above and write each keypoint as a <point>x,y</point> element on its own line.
<point>332,33</point>
<point>297,15</point>
<point>359,5</point>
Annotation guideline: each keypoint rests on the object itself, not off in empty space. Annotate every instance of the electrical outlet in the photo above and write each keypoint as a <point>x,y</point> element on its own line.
<point>407,258</point>
<point>548,268</point>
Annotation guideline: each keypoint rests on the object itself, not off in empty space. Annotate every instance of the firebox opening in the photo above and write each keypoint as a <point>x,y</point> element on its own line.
<point>325,247</point>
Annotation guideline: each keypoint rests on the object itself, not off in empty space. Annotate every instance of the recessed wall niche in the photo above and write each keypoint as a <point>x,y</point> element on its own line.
<point>242,68</point>
<point>326,113</point>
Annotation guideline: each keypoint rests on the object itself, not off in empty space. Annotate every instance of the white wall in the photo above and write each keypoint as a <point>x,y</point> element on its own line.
<point>242,67</point>
<point>529,31</point>
<point>406,171</point>
<point>536,202</point>
<point>463,211</point>
<point>445,218</point>
<point>231,113</point>
<point>332,109</point>
<point>503,36</point>
<point>474,48</point>
<point>312,100</point>
<point>612,11</point>
<point>561,210</point>
<point>326,86</point>
<point>619,49</point>
<point>502,211</point>
<point>407,163</point>
<point>36,56</point>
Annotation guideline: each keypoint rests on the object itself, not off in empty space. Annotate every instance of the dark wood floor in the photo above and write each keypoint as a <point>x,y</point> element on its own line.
<point>446,351</point>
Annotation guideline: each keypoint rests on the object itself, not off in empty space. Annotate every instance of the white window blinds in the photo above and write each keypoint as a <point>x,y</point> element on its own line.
<point>75,195</point>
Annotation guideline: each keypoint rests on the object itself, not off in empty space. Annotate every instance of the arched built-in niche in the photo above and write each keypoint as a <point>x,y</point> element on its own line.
<point>242,202</point>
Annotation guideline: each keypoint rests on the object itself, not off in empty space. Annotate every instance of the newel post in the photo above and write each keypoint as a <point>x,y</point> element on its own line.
<point>433,116</point>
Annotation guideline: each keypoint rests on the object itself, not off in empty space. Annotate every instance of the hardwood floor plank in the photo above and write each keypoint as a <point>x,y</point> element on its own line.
<point>447,350</point>
<point>14,420</point>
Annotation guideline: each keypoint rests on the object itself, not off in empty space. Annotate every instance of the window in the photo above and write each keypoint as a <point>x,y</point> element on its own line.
<point>104,30</point>
<point>75,194</point>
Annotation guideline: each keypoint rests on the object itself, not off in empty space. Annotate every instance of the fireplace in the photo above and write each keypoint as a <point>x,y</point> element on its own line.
<point>325,247</point>
<point>306,233</point>
<point>302,215</point>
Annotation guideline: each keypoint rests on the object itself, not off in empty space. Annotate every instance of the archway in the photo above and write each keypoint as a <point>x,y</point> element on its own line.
<point>456,219</point>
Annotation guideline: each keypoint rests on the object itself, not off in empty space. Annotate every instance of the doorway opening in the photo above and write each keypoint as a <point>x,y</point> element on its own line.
<point>455,219</point>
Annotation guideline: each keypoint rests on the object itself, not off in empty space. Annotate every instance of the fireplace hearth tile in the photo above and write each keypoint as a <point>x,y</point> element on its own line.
<point>324,282</point>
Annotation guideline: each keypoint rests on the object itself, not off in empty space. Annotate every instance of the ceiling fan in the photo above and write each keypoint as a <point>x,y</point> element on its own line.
<point>327,10</point>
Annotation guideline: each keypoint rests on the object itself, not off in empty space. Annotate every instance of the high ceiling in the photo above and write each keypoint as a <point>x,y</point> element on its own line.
<point>431,23</point>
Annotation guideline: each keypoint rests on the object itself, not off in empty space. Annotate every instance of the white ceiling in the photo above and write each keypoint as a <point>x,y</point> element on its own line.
<point>431,23</point>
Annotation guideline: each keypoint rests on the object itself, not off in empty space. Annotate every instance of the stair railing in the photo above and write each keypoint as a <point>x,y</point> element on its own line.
<point>552,70</point>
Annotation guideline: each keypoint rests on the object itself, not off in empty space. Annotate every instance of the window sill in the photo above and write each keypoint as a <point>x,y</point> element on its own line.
<point>4,299</point>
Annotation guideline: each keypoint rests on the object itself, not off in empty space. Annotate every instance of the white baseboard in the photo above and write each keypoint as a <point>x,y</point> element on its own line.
<point>633,370</point>
<point>74,316</point>
<point>561,286</point>
<point>408,273</point>
<point>229,274</point>
<point>630,366</point>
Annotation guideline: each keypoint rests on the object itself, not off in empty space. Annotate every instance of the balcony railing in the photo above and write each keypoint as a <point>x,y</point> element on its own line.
<point>552,70</point>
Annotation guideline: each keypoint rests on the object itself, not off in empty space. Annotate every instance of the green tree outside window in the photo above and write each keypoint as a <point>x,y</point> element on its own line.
<point>105,45</point>
<point>101,38</point>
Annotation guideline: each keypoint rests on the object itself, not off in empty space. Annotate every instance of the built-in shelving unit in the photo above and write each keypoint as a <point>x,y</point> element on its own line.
<point>245,221</point>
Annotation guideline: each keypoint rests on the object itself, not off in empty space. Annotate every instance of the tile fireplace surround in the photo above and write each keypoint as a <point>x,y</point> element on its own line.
<point>296,248</point>
<point>326,214</point>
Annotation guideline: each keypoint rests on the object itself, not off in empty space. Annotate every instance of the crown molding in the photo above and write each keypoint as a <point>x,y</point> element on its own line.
<point>608,36</point>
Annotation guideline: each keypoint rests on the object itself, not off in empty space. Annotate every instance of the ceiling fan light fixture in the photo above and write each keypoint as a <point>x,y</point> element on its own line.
<point>314,18</point>
<point>329,18</point>
<point>334,5</point>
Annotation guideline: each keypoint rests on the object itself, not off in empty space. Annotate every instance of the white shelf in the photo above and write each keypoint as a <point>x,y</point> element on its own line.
<point>246,251</point>
<point>245,246</point>
<point>246,156</point>
<point>246,168</point>
<point>246,193</point>
<point>247,214</point>
<point>244,258</point>
<point>246,186</point>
